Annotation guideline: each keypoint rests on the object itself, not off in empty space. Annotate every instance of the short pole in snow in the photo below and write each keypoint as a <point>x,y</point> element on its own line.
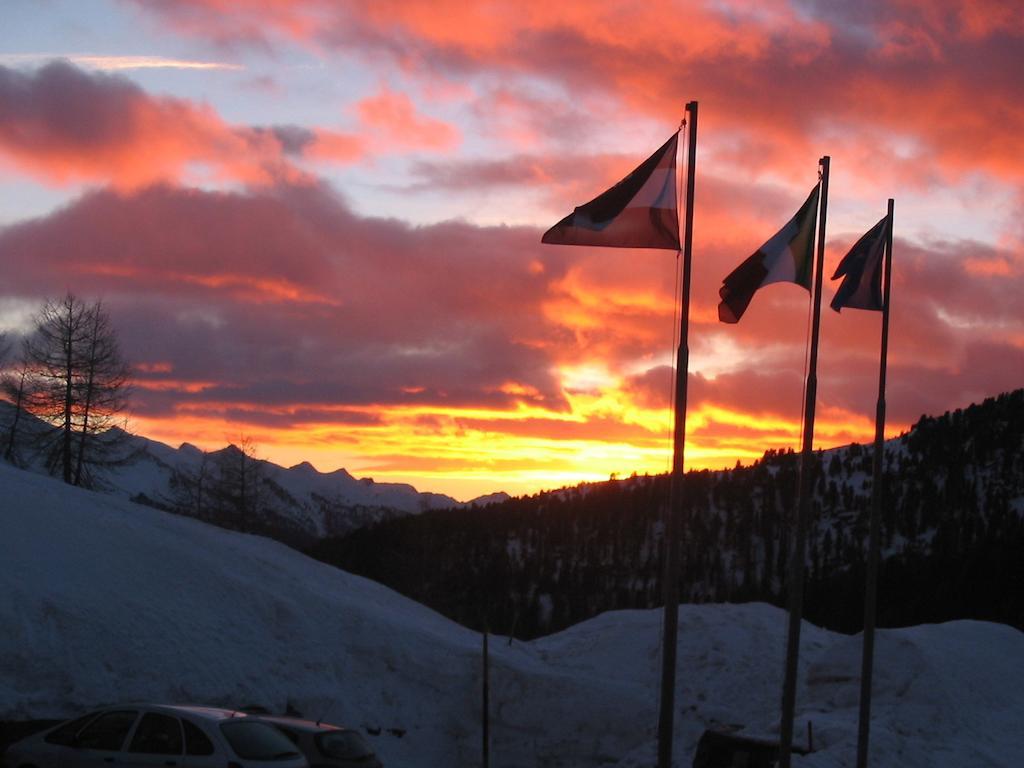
<point>486,707</point>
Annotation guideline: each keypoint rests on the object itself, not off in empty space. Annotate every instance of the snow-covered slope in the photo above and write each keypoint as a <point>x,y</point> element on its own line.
<point>103,600</point>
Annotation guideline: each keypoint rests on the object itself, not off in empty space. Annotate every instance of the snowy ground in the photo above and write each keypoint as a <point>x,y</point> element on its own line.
<point>105,601</point>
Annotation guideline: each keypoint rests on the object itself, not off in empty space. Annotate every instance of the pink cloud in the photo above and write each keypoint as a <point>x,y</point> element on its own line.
<point>393,120</point>
<point>285,296</point>
<point>64,125</point>
<point>930,87</point>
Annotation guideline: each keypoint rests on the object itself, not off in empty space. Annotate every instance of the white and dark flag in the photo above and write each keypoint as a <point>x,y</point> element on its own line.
<point>638,212</point>
<point>786,257</point>
<point>861,270</point>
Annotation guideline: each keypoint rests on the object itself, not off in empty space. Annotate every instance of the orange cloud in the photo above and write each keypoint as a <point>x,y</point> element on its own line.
<point>992,267</point>
<point>157,367</point>
<point>174,386</point>
<point>244,287</point>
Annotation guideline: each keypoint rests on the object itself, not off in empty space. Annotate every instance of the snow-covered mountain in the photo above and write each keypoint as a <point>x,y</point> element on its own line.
<point>103,600</point>
<point>295,504</point>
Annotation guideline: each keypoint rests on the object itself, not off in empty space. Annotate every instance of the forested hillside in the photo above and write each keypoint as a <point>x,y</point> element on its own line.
<point>953,537</point>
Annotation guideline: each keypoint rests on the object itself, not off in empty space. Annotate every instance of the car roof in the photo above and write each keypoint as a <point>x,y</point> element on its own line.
<point>210,714</point>
<point>299,723</point>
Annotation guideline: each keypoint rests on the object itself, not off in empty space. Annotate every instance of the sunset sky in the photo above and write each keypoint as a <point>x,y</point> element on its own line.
<point>316,224</point>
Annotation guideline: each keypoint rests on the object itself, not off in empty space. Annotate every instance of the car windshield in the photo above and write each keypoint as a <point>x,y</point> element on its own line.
<point>65,734</point>
<point>107,732</point>
<point>344,745</point>
<point>257,741</point>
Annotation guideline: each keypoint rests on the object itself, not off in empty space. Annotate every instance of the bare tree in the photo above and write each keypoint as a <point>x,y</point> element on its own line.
<point>79,384</point>
<point>224,486</point>
<point>51,354</point>
<point>240,482</point>
<point>103,389</point>
<point>191,489</point>
<point>16,386</point>
<point>12,387</point>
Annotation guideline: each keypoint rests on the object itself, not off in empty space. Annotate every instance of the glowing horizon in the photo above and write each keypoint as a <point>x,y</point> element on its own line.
<point>382,450</point>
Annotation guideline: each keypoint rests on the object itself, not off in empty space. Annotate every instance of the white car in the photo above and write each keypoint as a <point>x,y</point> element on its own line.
<point>324,745</point>
<point>142,735</point>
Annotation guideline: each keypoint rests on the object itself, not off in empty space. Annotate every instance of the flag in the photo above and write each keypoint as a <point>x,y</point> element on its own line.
<point>787,257</point>
<point>638,212</point>
<point>861,269</point>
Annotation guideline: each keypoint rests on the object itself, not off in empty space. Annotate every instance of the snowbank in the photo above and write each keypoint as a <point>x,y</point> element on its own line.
<point>106,601</point>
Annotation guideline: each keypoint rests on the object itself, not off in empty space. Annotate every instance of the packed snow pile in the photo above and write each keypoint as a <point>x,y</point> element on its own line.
<point>105,601</point>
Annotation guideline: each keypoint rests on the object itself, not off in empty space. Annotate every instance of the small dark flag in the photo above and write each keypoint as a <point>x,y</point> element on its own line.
<point>784,258</point>
<point>638,212</point>
<point>861,270</point>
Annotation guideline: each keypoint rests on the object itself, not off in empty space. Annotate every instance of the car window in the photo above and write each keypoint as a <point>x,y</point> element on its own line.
<point>343,745</point>
<point>257,741</point>
<point>65,734</point>
<point>196,742</point>
<point>293,737</point>
<point>108,731</point>
<point>157,735</point>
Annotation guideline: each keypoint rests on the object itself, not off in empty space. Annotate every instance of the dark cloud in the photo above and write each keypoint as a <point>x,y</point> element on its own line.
<point>281,307</point>
<point>63,124</point>
<point>294,139</point>
<point>285,297</point>
<point>66,124</point>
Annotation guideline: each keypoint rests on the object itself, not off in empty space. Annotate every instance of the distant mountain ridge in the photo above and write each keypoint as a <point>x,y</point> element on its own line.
<point>952,537</point>
<point>297,505</point>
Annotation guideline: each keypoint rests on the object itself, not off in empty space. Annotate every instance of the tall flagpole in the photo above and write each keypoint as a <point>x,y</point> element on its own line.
<point>871,587</point>
<point>798,558</point>
<point>675,503</point>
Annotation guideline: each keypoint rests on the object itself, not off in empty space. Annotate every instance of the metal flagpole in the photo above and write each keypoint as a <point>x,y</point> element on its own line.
<point>798,558</point>
<point>675,503</point>
<point>871,587</point>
